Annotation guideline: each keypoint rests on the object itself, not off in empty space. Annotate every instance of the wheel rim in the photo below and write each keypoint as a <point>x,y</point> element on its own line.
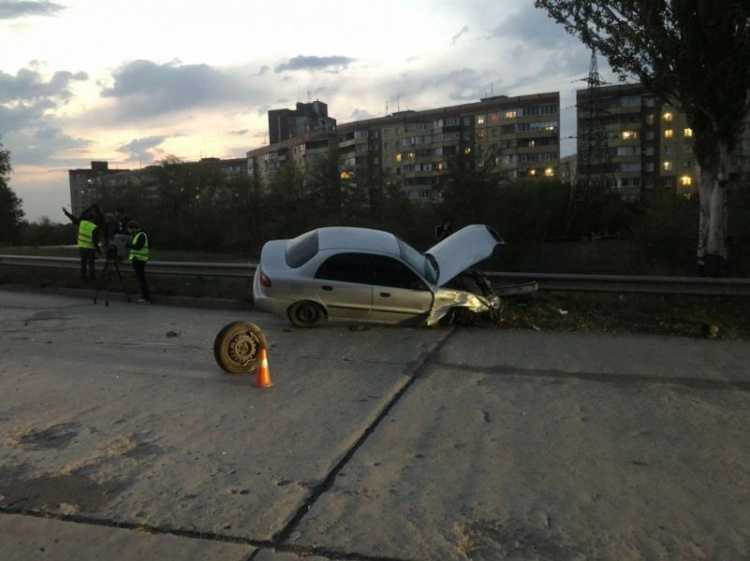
<point>307,313</point>
<point>243,348</point>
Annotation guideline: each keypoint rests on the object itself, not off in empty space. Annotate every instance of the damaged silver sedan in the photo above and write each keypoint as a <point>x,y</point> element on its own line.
<point>362,275</point>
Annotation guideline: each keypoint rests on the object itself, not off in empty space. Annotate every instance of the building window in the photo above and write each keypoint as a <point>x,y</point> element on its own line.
<point>549,172</point>
<point>398,157</point>
<point>667,165</point>
<point>467,150</point>
<point>511,114</point>
<point>650,119</point>
<point>688,132</point>
<point>481,119</point>
<point>668,117</point>
<point>669,133</point>
<point>629,135</point>
<point>686,180</point>
<point>668,150</point>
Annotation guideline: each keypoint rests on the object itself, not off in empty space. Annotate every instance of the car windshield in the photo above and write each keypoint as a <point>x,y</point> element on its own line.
<point>418,262</point>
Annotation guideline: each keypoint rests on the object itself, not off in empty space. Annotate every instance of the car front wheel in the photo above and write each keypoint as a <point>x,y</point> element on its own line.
<point>305,314</point>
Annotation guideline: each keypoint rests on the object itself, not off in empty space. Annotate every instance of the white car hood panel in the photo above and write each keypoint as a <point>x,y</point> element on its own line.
<point>465,248</point>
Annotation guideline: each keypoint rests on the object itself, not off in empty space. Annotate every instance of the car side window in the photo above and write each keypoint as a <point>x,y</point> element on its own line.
<point>387,271</point>
<point>345,267</point>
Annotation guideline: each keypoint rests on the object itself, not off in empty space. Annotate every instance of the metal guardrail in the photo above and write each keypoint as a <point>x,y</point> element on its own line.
<point>559,282</point>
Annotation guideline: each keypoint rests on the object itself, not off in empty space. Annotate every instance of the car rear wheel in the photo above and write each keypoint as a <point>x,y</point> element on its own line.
<point>237,347</point>
<point>305,314</point>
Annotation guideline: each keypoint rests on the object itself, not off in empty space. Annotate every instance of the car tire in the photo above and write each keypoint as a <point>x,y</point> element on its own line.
<point>237,347</point>
<point>305,314</point>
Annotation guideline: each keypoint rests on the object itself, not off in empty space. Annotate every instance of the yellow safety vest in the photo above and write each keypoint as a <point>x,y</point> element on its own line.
<point>140,254</point>
<point>86,234</point>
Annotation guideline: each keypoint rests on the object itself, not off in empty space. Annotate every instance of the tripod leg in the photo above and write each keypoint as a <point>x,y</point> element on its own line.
<point>122,281</point>
<point>102,279</point>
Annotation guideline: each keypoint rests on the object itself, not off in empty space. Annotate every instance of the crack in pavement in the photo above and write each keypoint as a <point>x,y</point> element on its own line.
<point>276,542</point>
<point>327,483</point>
<point>614,378</point>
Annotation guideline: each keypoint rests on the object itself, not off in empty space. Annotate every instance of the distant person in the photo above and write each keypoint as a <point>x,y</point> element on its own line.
<point>444,229</point>
<point>88,241</point>
<point>139,258</point>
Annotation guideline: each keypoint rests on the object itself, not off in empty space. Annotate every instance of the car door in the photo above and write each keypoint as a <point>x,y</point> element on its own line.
<point>399,295</point>
<point>342,283</point>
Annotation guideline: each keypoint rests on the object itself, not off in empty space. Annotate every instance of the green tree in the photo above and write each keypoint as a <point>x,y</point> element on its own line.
<point>11,213</point>
<point>694,54</point>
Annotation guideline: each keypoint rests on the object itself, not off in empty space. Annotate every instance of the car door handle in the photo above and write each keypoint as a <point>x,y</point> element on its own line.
<point>385,294</point>
<point>328,288</point>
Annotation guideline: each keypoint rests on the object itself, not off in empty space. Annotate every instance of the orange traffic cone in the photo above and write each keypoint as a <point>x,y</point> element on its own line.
<point>263,379</point>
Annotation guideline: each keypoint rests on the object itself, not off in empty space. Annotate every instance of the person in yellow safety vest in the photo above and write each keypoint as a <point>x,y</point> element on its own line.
<point>88,241</point>
<point>139,258</point>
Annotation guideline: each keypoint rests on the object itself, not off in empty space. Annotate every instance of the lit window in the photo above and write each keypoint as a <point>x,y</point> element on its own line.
<point>532,172</point>
<point>347,174</point>
<point>440,166</point>
<point>467,150</point>
<point>629,135</point>
<point>510,114</point>
<point>668,117</point>
<point>688,132</point>
<point>667,166</point>
<point>398,157</point>
<point>480,119</point>
<point>549,172</point>
<point>669,133</point>
<point>532,143</point>
<point>686,180</point>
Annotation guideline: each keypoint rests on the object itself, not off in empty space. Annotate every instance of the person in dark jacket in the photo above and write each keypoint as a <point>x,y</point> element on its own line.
<point>444,229</point>
<point>88,241</point>
<point>139,258</point>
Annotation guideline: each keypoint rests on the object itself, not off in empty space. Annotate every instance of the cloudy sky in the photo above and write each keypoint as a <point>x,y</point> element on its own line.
<point>132,81</point>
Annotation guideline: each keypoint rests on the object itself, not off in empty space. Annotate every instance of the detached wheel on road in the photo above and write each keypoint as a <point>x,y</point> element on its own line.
<point>237,347</point>
<point>305,314</point>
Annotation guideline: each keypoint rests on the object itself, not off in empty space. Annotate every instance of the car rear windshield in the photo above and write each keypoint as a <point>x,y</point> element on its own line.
<point>301,249</point>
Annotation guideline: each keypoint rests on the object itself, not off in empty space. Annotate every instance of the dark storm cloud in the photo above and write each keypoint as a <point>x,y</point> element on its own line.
<point>30,85</point>
<point>143,149</point>
<point>146,89</point>
<point>534,26</point>
<point>25,101</point>
<point>10,9</point>
<point>41,145</point>
<point>314,63</point>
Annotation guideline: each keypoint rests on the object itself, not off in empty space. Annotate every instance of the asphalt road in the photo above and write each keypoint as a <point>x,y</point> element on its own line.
<point>120,438</point>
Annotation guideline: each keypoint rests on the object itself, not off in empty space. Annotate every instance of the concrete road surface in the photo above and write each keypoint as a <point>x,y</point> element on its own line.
<point>120,438</point>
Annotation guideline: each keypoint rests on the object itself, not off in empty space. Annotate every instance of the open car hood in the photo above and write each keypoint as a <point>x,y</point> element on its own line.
<point>465,248</point>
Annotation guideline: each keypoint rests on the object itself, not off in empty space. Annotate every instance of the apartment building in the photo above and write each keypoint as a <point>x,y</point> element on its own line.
<point>304,152</point>
<point>514,136</point>
<point>148,180</point>
<point>641,144</point>
<point>83,181</point>
<point>284,124</point>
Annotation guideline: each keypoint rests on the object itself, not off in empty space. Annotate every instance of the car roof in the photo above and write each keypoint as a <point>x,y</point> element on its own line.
<point>365,239</point>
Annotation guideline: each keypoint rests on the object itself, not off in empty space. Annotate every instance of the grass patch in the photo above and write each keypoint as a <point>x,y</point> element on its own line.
<point>164,285</point>
<point>154,254</point>
<point>630,313</point>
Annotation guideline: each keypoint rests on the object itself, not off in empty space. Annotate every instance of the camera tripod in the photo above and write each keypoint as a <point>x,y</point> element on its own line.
<point>105,278</point>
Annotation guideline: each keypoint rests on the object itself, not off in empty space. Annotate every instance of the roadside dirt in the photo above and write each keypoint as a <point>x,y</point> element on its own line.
<point>692,316</point>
